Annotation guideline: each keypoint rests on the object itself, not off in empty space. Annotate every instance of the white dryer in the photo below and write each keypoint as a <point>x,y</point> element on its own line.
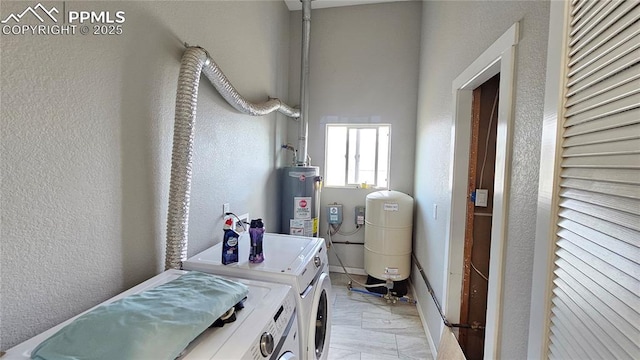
<point>301,262</point>
<point>266,328</point>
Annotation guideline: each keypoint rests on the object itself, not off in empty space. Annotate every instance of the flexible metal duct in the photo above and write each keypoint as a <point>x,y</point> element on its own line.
<point>195,61</point>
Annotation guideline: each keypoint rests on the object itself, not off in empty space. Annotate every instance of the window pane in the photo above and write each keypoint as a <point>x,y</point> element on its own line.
<point>353,156</point>
<point>383,156</point>
<point>336,152</point>
<point>357,154</point>
<point>367,150</point>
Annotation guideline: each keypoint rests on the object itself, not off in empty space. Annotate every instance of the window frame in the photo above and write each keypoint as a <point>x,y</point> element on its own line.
<point>348,161</point>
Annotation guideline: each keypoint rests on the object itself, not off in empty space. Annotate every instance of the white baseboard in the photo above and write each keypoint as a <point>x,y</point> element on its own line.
<point>350,270</point>
<point>432,345</point>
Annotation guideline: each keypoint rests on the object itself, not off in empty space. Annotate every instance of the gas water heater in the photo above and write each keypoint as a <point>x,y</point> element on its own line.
<point>300,195</point>
<point>387,235</point>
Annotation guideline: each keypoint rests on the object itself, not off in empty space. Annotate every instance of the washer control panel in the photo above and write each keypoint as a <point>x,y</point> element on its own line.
<point>264,346</point>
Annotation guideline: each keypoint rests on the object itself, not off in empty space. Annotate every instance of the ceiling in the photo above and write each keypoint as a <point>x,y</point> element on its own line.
<point>319,4</point>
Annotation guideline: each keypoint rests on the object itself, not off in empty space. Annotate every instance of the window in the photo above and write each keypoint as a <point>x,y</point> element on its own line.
<point>356,155</point>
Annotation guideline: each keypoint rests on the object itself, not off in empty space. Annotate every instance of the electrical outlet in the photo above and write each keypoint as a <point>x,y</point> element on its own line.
<point>482,197</point>
<point>244,218</point>
<point>226,208</point>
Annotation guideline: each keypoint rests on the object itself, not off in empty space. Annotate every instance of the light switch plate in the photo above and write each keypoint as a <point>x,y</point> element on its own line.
<point>482,197</point>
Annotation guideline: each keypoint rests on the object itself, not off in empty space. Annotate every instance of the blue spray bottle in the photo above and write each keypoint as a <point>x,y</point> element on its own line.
<point>256,233</point>
<point>229,243</point>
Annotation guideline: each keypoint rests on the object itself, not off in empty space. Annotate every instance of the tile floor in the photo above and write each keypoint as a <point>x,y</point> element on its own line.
<point>366,327</point>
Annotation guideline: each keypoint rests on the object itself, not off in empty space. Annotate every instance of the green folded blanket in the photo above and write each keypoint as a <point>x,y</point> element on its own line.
<point>155,324</point>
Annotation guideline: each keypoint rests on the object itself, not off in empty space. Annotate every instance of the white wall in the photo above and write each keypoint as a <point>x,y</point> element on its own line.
<point>363,69</point>
<point>87,124</point>
<point>454,34</point>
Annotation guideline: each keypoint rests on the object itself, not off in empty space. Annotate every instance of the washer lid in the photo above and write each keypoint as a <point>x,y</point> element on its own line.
<point>288,260</point>
<point>263,302</point>
<point>284,254</point>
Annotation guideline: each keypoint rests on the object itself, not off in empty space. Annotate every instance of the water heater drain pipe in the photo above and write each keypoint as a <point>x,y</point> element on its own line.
<point>196,61</point>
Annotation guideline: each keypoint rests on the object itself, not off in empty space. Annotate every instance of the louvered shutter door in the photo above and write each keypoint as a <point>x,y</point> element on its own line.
<point>595,302</point>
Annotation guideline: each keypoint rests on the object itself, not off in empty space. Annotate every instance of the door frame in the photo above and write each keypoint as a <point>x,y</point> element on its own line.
<point>547,211</point>
<point>498,58</point>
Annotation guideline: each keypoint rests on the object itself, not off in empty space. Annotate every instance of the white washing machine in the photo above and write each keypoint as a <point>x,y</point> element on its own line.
<point>266,328</point>
<point>301,262</point>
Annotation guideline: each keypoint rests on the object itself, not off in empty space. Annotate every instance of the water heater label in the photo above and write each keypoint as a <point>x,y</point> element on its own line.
<point>391,207</point>
<point>302,175</point>
<point>302,207</point>
<point>301,227</point>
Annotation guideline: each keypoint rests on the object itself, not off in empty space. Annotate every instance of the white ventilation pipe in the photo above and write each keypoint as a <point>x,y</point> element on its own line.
<point>195,61</point>
<point>303,126</point>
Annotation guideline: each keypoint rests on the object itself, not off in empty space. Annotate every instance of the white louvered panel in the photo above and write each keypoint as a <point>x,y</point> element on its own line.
<point>583,326</point>
<point>585,80</point>
<point>610,84</point>
<point>593,18</point>
<point>616,308</point>
<point>595,306</point>
<point>564,348</point>
<point>631,206</point>
<point>621,346</point>
<point>631,89</point>
<point>619,45</point>
<point>621,233</point>
<point>576,6</point>
<point>623,133</point>
<point>612,273</point>
<point>569,328</point>
<point>606,148</point>
<point>618,175</point>
<point>609,244</point>
<point>612,161</point>
<point>629,103</point>
<point>613,121</point>
<point>622,265</point>
<point>615,189</point>
<point>608,320</point>
<point>618,20</point>
<point>606,216</point>
<point>625,299</point>
<point>585,14</point>
<point>584,21</point>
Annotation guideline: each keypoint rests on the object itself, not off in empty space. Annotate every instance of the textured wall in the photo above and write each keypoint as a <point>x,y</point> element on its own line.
<point>454,34</point>
<point>363,69</point>
<point>87,125</point>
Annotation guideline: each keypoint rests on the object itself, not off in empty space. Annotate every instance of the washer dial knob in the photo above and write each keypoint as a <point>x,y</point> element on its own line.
<point>266,344</point>
<point>317,261</point>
